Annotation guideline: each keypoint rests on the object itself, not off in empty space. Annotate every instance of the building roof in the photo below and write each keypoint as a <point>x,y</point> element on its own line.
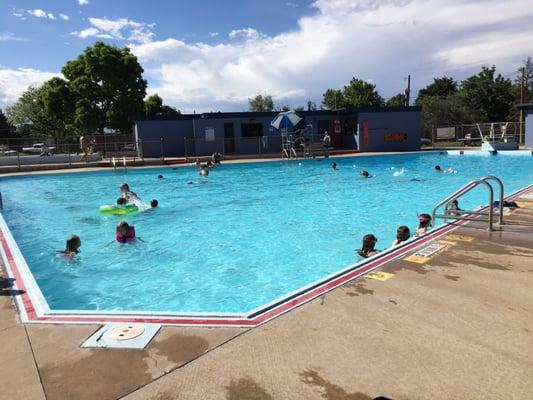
<point>272,114</point>
<point>525,106</point>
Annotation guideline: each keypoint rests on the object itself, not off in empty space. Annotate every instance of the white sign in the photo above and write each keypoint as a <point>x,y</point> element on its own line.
<point>209,134</point>
<point>446,133</point>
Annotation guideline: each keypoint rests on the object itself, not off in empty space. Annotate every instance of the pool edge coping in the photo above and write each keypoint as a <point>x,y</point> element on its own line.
<point>33,307</point>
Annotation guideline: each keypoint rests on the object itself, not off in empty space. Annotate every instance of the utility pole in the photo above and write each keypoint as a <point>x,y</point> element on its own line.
<point>522,99</point>
<point>408,91</point>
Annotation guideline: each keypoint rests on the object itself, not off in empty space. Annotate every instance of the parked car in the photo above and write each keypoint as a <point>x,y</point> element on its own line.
<point>38,148</point>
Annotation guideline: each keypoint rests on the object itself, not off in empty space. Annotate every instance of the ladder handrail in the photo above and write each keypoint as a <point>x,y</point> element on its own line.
<point>501,197</point>
<point>466,188</point>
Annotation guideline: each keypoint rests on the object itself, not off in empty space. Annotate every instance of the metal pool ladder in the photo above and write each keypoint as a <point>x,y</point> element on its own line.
<point>473,215</point>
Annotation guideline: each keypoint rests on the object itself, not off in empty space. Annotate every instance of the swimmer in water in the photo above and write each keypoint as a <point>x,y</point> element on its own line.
<point>368,248</point>
<point>438,168</point>
<point>402,234</point>
<point>334,166</point>
<point>453,208</point>
<point>154,203</point>
<point>204,171</point>
<point>72,247</point>
<point>209,164</point>
<point>160,177</point>
<point>126,193</point>
<point>364,174</point>
<point>424,223</point>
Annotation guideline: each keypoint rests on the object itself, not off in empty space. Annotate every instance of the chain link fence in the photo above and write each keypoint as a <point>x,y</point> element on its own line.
<point>470,134</point>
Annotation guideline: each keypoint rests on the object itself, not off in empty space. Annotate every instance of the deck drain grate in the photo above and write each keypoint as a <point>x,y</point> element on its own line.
<point>122,336</point>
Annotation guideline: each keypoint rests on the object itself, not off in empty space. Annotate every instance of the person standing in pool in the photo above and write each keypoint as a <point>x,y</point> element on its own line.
<point>72,247</point>
<point>334,166</point>
<point>368,248</point>
<point>128,195</point>
<point>402,234</point>
<point>424,223</point>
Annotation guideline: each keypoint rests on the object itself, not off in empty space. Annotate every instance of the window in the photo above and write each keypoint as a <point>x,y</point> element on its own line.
<point>251,130</point>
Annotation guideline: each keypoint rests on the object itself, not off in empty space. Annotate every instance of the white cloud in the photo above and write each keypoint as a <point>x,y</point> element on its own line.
<point>291,4</point>
<point>14,81</point>
<point>11,37</point>
<point>37,13</point>
<point>213,34</point>
<point>246,33</point>
<point>118,29</point>
<point>381,41</point>
<point>83,2</point>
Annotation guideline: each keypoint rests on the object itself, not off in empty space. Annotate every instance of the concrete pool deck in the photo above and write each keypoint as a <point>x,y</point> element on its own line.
<point>458,325</point>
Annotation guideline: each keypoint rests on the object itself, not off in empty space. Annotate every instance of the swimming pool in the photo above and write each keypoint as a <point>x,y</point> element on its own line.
<point>252,234</point>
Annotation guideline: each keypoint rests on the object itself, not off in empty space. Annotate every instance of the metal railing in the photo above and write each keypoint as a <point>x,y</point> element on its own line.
<point>467,214</point>
<point>469,134</point>
<point>31,151</point>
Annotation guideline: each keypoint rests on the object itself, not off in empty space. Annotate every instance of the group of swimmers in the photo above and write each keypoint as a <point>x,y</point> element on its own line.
<point>124,232</point>
<point>403,233</point>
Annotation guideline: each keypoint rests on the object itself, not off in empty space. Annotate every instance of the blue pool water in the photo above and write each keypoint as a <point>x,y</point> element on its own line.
<point>252,233</point>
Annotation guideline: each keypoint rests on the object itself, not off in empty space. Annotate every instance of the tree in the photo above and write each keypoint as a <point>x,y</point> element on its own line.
<point>441,87</point>
<point>445,111</point>
<point>153,106</point>
<point>397,100</point>
<point>527,66</point>
<point>261,103</point>
<point>334,99</point>
<point>57,102</point>
<point>6,129</point>
<point>493,96</point>
<point>357,93</point>
<point>27,114</point>
<point>108,86</point>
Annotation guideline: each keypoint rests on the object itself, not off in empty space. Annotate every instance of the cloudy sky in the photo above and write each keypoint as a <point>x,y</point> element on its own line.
<point>213,55</point>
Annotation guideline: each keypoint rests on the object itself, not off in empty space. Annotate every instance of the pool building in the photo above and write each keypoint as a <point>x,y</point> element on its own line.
<point>238,133</point>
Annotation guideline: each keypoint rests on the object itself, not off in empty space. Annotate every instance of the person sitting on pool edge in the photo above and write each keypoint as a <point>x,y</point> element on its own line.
<point>72,247</point>
<point>424,223</point>
<point>368,250</point>
<point>124,232</point>
<point>128,195</point>
<point>402,234</point>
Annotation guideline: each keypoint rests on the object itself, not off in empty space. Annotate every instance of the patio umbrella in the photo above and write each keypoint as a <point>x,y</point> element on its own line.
<point>285,120</point>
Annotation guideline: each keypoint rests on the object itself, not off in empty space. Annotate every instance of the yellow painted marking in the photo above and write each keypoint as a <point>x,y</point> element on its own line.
<point>447,242</point>
<point>417,259</point>
<point>460,238</point>
<point>380,275</point>
<point>524,204</point>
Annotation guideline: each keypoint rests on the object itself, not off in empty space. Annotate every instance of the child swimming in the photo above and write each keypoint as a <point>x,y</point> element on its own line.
<point>368,250</point>
<point>154,203</point>
<point>334,166</point>
<point>364,174</point>
<point>124,232</point>
<point>424,223</point>
<point>72,247</point>
<point>402,234</point>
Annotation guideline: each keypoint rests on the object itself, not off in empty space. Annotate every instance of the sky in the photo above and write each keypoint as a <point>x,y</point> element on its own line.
<point>213,55</point>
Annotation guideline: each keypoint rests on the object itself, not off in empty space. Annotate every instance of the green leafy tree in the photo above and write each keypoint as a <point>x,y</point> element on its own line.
<point>6,129</point>
<point>333,99</point>
<point>445,111</point>
<point>441,87</point>
<point>27,114</point>
<point>357,93</point>
<point>58,107</point>
<point>491,95</point>
<point>108,86</point>
<point>261,103</point>
<point>154,106</point>
<point>397,100</point>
